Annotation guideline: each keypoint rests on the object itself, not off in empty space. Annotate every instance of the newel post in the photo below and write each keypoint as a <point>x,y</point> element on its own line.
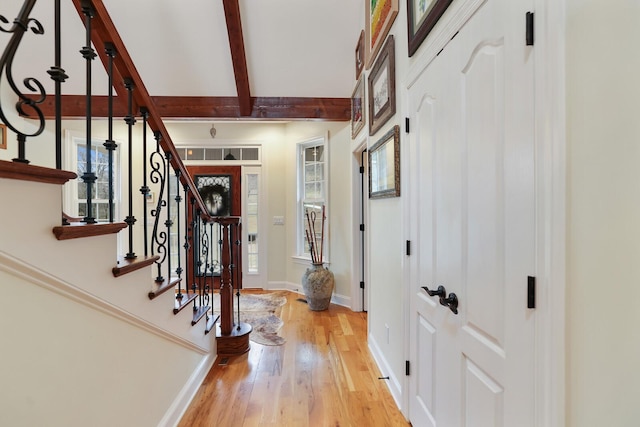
<point>226,287</point>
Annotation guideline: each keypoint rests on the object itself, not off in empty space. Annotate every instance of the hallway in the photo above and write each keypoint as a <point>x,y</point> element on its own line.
<point>322,376</point>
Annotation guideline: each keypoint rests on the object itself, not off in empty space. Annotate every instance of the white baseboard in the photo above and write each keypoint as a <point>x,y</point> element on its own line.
<point>393,384</point>
<point>342,300</point>
<point>182,401</point>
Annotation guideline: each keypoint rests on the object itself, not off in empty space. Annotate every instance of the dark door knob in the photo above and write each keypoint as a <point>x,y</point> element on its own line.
<point>451,301</point>
<point>440,292</point>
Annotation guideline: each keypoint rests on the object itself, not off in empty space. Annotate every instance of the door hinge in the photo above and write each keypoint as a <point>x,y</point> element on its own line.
<point>406,124</point>
<point>361,227</point>
<point>361,169</point>
<point>407,368</point>
<point>361,285</point>
<point>531,292</point>
<point>408,247</point>
<point>530,37</point>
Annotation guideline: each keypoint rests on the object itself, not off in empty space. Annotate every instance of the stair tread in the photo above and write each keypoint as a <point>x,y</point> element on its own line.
<point>164,286</point>
<point>199,313</point>
<point>128,265</point>
<point>211,323</point>
<point>27,172</point>
<point>81,229</point>
<point>184,301</point>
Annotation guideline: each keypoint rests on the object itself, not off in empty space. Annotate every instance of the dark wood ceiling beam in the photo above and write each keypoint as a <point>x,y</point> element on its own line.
<point>238,56</point>
<point>204,108</point>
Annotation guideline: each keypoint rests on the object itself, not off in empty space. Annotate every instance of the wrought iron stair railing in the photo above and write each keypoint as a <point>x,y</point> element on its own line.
<point>159,167</point>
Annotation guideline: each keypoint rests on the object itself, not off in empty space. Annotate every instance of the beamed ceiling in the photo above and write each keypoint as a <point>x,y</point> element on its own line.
<point>210,59</point>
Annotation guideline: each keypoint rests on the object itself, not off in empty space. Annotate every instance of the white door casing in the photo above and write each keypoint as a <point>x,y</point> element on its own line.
<point>472,206</point>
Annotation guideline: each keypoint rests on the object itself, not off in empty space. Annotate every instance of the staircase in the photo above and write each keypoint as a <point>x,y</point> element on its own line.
<point>90,337</point>
<point>81,346</point>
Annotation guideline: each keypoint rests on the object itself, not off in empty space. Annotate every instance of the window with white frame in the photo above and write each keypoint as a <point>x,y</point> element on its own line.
<point>252,218</point>
<point>312,196</point>
<point>77,192</point>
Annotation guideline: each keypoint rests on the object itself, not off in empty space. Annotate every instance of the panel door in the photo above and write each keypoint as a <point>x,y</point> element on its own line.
<point>472,111</point>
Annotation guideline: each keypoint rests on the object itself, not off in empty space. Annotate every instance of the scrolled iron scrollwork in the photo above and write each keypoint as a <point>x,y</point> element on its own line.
<point>26,105</point>
<point>158,163</point>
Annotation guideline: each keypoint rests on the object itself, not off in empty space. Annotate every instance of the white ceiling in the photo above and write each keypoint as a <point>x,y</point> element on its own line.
<point>294,48</point>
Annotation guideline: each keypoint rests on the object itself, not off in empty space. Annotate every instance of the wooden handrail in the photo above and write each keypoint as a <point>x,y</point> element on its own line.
<point>103,31</point>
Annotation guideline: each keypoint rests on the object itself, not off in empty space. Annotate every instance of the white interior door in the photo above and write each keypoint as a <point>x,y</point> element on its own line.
<point>473,205</point>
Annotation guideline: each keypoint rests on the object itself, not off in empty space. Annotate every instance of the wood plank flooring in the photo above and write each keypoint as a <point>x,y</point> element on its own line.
<point>322,376</point>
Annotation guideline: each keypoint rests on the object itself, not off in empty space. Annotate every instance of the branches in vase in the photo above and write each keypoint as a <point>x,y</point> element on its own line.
<point>315,246</point>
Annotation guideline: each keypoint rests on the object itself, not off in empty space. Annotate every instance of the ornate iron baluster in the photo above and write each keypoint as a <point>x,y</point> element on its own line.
<point>194,249</point>
<point>109,143</point>
<point>89,54</point>
<point>188,235</point>
<point>178,200</point>
<point>168,222</point>
<point>203,261</point>
<point>59,76</point>
<point>130,120</point>
<point>159,238</point>
<point>25,104</point>
<point>145,190</point>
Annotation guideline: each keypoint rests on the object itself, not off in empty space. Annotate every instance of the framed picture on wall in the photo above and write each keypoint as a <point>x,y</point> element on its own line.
<point>3,136</point>
<point>360,55</point>
<point>379,18</point>
<point>382,88</point>
<point>384,166</point>
<point>422,16</point>
<point>358,110</point>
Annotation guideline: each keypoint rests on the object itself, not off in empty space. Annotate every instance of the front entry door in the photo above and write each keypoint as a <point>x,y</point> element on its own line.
<point>220,189</point>
<point>473,215</point>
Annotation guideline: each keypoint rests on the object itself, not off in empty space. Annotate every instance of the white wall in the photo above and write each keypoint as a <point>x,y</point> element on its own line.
<point>272,137</point>
<point>603,239</point>
<point>386,237</point>
<point>70,365</point>
<point>339,209</point>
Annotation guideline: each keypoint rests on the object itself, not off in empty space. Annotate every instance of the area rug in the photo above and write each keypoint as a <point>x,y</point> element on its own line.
<point>261,312</point>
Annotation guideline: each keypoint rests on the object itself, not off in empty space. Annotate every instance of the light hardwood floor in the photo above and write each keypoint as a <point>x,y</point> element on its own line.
<point>322,376</point>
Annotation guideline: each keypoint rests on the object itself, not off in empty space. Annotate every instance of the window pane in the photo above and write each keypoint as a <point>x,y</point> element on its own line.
<point>232,154</point>
<point>82,190</point>
<point>102,211</point>
<point>252,224</point>
<point>195,154</point>
<point>103,190</point>
<point>310,174</point>
<point>253,263</point>
<point>310,191</point>
<point>314,154</point>
<point>249,154</point>
<point>213,154</point>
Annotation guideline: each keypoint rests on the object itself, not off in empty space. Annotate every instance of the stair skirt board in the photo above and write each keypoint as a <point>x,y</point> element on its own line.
<point>40,278</point>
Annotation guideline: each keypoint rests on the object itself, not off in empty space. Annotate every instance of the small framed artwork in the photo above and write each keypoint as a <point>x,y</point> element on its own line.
<point>3,136</point>
<point>360,55</point>
<point>379,18</point>
<point>422,16</point>
<point>358,110</point>
<point>382,88</point>
<point>384,166</point>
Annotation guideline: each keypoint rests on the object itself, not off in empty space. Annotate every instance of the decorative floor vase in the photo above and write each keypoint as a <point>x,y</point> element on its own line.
<point>318,283</point>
